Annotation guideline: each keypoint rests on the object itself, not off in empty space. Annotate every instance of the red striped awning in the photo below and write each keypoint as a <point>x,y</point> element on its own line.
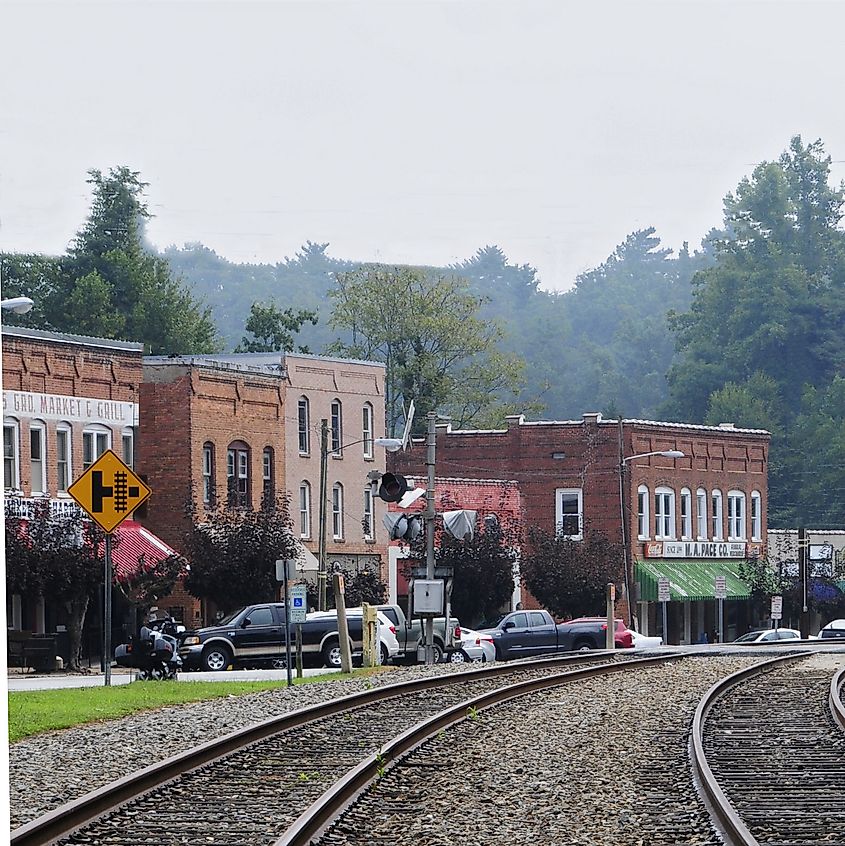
<point>137,547</point>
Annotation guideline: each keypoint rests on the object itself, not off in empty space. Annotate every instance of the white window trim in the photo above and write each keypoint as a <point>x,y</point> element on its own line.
<point>337,511</point>
<point>303,402</point>
<point>367,430</point>
<point>643,496</point>
<point>15,426</point>
<point>686,524</point>
<point>370,533</point>
<point>336,448</point>
<point>64,429</point>
<point>737,520</point>
<point>208,473</point>
<point>667,520</point>
<point>305,513</point>
<point>756,521</point>
<point>701,514</point>
<point>95,431</point>
<point>559,494</point>
<point>717,517</point>
<point>39,428</point>
<point>127,434</point>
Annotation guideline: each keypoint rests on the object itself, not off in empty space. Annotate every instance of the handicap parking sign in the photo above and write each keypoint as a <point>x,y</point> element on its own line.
<point>297,604</point>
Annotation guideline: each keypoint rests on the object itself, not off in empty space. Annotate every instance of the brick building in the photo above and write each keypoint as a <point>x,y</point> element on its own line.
<point>67,399</point>
<point>687,519</point>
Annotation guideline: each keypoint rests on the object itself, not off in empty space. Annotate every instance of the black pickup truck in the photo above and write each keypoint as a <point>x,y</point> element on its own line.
<point>521,634</point>
<point>255,637</point>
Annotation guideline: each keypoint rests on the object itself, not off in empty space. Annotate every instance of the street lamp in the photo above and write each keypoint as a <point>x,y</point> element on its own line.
<point>17,305</point>
<point>389,444</point>
<point>666,453</point>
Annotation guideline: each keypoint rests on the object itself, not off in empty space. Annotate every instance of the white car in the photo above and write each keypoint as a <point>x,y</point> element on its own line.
<point>475,646</point>
<point>642,641</point>
<point>388,642</point>
<point>835,628</point>
<point>769,636</point>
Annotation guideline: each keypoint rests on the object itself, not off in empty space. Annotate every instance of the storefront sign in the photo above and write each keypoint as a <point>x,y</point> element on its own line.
<point>694,549</point>
<point>27,404</point>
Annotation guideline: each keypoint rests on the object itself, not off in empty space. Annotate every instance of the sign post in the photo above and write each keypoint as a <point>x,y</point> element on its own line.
<point>108,491</point>
<point>610,640</point>
<point>285,571</point>
<point>720,592</point>
<point>663,596</point>
<point>296,615</point>
<point>777,610</point>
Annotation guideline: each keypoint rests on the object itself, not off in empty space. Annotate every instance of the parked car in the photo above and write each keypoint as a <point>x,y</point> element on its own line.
<point>409,633</point>
<point>621,633</point>
<point>835,628</point>
<point>474,646</point>
<point>769,636</point>
<point>641,641</point>
<point>388,642</point>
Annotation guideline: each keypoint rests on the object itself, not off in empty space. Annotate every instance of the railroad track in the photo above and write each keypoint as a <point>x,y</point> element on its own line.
<point>252,785</point>
<point>768,750</point>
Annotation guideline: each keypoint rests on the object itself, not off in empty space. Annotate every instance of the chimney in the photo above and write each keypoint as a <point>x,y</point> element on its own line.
<point>593,417</point>
<point>727,426</point>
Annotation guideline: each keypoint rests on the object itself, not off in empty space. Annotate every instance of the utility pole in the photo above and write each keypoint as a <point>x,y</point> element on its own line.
<point>321,565</point>
<point>429,515</point>
<point>804,624</point>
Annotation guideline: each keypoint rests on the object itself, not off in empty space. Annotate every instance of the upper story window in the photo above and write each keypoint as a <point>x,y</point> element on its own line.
<point>736,515</point>
<point>367,430</point>
<point>64,455</point>
<point>304,426</point>
<point>267,473</point>
<point>336,432</point>
<point>701,514</point>
<point>95,441</point>
<point>686,514</point>
<point>642,513</point>
<point>569,513</point>
<point>127,443</point>
<point>367,520</point>
<point>11,455</point>
<point>37,457</point>
<point>756,516</point>
<point>304,510</point>
<point>208,474</point>
<point>237,473</point>
<point>337,511</point>
<point>717,516</point>
<point>664,513</point>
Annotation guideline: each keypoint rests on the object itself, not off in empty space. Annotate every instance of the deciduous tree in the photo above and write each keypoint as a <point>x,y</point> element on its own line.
<point>273,329</point>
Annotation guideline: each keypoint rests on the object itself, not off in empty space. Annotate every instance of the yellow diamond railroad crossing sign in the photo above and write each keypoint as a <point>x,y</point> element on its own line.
<point>109,491</point>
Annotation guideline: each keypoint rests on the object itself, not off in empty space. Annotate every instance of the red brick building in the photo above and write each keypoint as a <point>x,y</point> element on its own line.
<point>687,519</point>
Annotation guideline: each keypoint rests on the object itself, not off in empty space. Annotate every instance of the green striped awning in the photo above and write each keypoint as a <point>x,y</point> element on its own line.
<point>688,580</point>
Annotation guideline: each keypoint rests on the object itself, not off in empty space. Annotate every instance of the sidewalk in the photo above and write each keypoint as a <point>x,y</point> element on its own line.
<point>18,680</point>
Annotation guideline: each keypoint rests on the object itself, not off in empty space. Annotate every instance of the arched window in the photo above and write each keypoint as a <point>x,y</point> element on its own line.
<point>267,478</point>
<point>336,432</point>
<point>686,514</point>
<point>64,457</point>
<point>337,511</point>
<point>756,516</point>
<point>701,514</point>
<point>736,515</point>
<point>643,528</point>
<point>304,510</point>
<point>208,487</point>
<point>96,440</point>
<point>11,454</point>
<point>304,425</point>
<point>718,532</point>
<point>237,474</point>
<point>37,457</point>
<point>367,429</point>
<point>664,513</point>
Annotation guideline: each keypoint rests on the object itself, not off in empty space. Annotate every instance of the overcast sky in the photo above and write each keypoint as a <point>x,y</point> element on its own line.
<point>409,131</point>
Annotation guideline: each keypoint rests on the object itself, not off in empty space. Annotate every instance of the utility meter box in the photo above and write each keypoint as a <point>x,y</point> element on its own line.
<point>429,597</point>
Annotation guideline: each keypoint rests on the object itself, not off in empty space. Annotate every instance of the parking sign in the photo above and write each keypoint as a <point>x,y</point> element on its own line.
<point>298,604</point>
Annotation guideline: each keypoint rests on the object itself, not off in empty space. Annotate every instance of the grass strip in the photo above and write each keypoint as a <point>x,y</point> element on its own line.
<point>36,711</point>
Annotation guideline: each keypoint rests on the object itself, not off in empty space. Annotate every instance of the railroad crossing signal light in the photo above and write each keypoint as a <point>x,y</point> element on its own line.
<point>401,526</point>
<point>393,487</point>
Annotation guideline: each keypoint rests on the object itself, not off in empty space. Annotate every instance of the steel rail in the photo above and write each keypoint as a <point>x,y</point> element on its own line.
<point>837,706</point>
<point>313,823</point>
<point>68,818</point>
<point>724,815</point>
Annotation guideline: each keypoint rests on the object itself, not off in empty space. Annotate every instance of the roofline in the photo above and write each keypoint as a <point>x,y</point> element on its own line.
<point>334,359</point>
<point>77,340</point>
<point>212,363</point>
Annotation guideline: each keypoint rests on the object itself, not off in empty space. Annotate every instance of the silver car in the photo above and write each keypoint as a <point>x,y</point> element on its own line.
<point>475,646</point>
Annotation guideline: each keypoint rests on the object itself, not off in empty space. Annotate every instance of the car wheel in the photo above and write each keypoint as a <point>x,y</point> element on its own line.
<point>331,654</point>
<point>458,657</point>
<point>438,653</point>
<point>385,655</point>
<point>582,645</point>
<point>215,658</point>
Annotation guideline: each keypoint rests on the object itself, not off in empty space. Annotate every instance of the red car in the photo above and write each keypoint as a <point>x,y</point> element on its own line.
<point>622,638</point>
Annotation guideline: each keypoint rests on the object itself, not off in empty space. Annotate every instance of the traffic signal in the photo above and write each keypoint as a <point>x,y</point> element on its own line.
<point>393,487</point>
<point>401,526</point>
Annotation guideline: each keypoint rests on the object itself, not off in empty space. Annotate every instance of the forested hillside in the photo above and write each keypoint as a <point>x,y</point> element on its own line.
<point>747,329</point>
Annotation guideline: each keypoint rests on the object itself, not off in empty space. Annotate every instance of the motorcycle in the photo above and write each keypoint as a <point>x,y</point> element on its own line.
<point>153,651</point>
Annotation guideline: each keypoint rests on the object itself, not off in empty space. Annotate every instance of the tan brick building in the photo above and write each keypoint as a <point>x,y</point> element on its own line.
<point>688,519</point>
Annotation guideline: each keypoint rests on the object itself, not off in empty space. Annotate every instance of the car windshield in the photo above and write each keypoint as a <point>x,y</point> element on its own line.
<point>225,621</point>
<point>492,622</point>
<point>748,636</point>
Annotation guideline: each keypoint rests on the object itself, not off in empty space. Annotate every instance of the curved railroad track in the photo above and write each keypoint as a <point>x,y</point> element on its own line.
<point>768,750</point>
<point>251,785</point>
